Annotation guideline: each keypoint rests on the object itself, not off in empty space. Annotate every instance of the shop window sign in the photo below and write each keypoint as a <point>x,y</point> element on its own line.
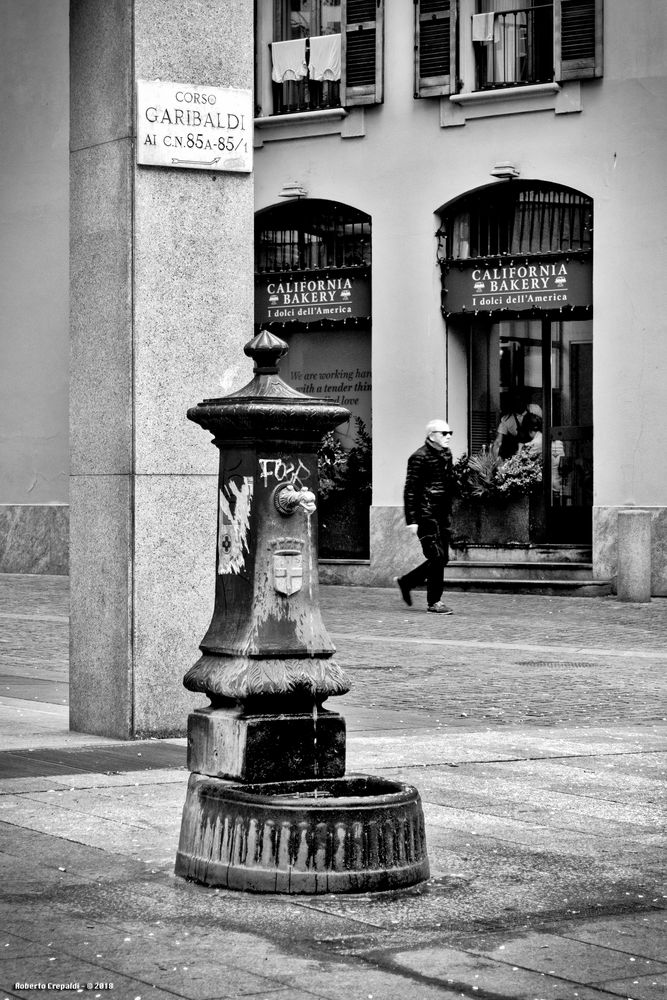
<point>316,368</point>
<point>518,286</point>
<point>310,297</point>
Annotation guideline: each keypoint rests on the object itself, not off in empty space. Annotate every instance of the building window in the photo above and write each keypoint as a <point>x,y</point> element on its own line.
<point>475,45</point>
<point>513,43</point>
<point>517,219</point>
<point>312,235</point>
<point>320,54</point>
<point>305,56</point>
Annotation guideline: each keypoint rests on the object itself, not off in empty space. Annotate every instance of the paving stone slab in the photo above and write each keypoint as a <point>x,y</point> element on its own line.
<point>121,834</point>
<point>30,784</point>
<point>458,970</point>
<point>437,748</point>
<point>448,827</point>
<point>464,789</point>
<point>607,784</point>
<point>496,890</point>
<point>62,969</point>
<point>638,988</point>
<point>335,982</point>
<point>26,725</point>
<point>168,907</point>
<point>156,777</point>
<point>582,961</point>
<point>13,947</point>
<point>640,934</point>
<point>41,689</point>
<point>66,782</point>
<point>180,904</point>
<point>60,930</point>
<point>134,803</point>
<point>109,758</point>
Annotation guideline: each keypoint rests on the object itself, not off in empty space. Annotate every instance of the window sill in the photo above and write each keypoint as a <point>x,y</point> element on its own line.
<point>303,124</point>
<point>560,98</point>
<point>506,93</point>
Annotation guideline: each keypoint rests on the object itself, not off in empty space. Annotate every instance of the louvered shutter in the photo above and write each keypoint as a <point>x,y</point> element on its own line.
<point>435,47</point>
<point>577,39</point>
<point>362,55</point>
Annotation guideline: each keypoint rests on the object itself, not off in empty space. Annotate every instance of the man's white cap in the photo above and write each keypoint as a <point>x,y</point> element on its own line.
<point>437,425</point>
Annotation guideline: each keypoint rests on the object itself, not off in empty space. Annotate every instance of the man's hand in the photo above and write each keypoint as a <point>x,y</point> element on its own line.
<point>414,528</point>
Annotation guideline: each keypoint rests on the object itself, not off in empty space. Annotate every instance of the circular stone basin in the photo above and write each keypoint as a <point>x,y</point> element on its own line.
<point>358,833</point>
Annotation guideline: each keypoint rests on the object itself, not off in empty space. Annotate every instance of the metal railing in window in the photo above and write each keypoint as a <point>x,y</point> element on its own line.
<point>520,218</point>
<point>312,235</point>
<point>293,96</point>
<point>521,51</point>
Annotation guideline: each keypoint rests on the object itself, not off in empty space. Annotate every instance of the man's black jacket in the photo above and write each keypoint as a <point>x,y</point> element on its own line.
<point>429,485</point>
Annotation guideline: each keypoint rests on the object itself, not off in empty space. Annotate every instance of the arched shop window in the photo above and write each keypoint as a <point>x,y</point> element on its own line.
<point>517,261</point>
<point>518,218</point>
<point>313,289</point>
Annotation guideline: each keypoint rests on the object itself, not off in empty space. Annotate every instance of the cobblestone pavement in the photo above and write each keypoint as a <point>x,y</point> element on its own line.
<point>502,659</point>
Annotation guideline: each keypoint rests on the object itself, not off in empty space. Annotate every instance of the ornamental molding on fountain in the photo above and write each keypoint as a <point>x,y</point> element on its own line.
<point>268,806</point>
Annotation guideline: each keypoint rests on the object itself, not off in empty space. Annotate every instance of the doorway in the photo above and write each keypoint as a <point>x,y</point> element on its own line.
<point>548,363</point>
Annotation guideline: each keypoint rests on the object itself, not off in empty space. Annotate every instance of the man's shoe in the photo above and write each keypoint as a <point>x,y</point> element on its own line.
<point>440,609</point>
<point>405,591</point>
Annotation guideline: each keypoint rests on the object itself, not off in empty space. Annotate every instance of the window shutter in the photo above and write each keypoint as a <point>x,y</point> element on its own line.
<point>362,52</point>
<point>577,39</point>
<point>435,47</point>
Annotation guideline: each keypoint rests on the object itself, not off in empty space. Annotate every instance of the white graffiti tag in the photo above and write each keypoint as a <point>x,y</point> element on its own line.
<point>282,471</point>
<point>234,524</point>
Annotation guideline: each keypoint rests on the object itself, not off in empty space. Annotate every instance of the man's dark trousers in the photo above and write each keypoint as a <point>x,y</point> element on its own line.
<point>433,533</point>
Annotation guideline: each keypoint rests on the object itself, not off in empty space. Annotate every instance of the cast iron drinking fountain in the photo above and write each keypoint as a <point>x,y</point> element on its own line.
<point>269,807</point>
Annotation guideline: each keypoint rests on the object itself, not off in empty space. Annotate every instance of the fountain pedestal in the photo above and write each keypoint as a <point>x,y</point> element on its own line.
<point>261,745</point>
<point>295,823</point>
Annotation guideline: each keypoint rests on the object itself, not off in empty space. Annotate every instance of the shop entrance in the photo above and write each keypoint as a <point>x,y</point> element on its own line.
<point>517,277</point>
<point>542,368</point>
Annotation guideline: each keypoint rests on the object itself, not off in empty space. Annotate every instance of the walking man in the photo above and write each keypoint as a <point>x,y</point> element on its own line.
<point>428,504</point>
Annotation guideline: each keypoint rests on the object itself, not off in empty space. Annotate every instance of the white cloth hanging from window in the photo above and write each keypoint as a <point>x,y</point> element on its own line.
<point>510,47</point>
<point>325,57</point>
<point>482,27</point>
<point>289,60</point>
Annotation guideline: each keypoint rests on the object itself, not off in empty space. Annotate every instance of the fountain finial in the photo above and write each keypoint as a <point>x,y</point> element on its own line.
<point>266,350</point>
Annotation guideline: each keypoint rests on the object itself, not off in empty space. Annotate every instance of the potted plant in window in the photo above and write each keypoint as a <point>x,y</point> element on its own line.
<point>498,502</point>
<point>344,496</point>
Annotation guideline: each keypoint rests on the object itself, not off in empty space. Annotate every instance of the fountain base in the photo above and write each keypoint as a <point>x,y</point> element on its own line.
<point>356,833</point>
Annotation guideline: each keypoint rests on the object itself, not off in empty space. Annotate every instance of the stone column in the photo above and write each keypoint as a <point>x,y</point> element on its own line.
<point>161,306</point>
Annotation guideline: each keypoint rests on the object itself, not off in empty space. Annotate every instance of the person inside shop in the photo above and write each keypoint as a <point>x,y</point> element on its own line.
<point>511,433</point>
<point>428,494</point>
<point>560,474</point>
<point>531,434</point>
<point>531,430</point>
